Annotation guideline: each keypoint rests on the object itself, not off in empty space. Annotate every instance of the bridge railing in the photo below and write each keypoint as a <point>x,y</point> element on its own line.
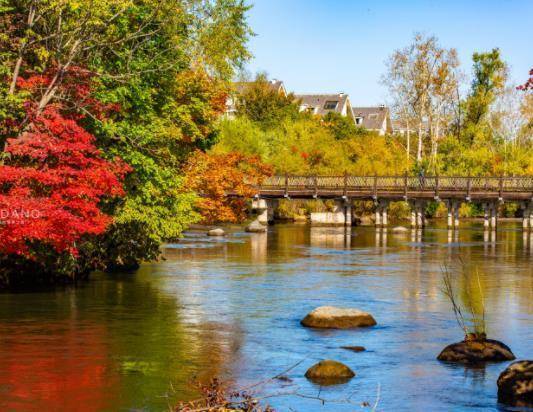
<point>397,183</point>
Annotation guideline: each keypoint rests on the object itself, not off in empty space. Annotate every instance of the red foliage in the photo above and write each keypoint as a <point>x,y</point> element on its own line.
<point>52,184</point>
<point>528,85</point>
<point>215,176</point>
<point>76,91</point>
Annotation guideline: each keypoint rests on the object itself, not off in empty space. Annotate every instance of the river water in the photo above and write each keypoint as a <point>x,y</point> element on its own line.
<point>231,307</point>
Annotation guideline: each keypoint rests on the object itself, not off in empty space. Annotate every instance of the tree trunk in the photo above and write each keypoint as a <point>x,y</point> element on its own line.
<point>420,144</point>
<point>18,64</point>
<point>408,146</point>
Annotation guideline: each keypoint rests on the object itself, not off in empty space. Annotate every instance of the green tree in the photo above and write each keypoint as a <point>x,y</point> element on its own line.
<point>490,74</point>
<point>342,127</point>
<point>264,104</point>
<point>164,64</point>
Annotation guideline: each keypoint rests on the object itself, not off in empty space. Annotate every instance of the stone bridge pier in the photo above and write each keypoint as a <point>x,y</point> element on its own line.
<point>264,209</point>
<point>418,217</point>
<point>527,216</point>
<point>490,215</point>
<point>340,215</point>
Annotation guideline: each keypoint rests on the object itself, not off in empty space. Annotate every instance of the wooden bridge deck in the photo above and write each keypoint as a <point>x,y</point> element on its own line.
<point>398,187</point>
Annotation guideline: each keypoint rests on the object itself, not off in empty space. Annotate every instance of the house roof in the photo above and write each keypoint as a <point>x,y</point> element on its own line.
<point>373,117</point>
<point>275,84</point>
<point>318,101</point>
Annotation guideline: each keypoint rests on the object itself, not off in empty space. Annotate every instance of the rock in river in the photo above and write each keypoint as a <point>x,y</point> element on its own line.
<point>354,348</point>
<point>475,351</point>
<point>329,372</point>
<point>256,227</point>
<point>216,232</point>
<point>515,384</point>
<point>330,317</point>
<point>400,229</point>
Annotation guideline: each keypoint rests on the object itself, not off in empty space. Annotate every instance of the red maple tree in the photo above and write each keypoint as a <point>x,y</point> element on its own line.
<point>53,182</point>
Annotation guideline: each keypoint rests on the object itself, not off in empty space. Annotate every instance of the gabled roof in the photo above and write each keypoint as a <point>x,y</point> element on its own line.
<point>318,102</point>
<point>373,117</point>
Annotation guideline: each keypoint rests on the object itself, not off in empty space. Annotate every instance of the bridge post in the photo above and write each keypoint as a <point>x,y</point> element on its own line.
<point>265,209</point>
<point>378,214</point>
<point>347,213</point>
<point>419,214</point>
<point>486,222</point>
<point>456,214</point>
<point>493,215</point>
<point>449,213</point>
<point>383,207</point>
<point>413,216</point>
<point>526,219</point>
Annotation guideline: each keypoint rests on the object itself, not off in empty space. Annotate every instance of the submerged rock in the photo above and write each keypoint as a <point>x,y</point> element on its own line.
<point>329,372</point>
<point>255,227</point>
<point>330,317</point>
<point>354,348</point>
<point>475,351</point>
<point>400,229</point>
<point>515,384</point>
<point>216,232</point>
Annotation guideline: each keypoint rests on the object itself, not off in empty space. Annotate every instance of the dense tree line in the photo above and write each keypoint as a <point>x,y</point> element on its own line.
<point>102,102</point>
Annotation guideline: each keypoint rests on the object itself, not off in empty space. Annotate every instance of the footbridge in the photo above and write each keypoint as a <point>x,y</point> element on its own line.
<point>490,192</point>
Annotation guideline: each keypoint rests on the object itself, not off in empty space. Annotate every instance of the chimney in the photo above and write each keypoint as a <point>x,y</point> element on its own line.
<point>382,106</point>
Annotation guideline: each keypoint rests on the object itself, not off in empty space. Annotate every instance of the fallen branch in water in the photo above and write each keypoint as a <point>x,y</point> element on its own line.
<point>217,397</point>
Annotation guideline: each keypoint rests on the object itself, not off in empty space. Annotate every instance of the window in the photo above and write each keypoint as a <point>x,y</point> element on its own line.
<point>330,105</point>
<point>359,120</point>
<point>373,116</point>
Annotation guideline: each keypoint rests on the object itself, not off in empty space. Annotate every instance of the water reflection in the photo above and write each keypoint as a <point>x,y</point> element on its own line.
<point>232,307</point>
<point>333,237</point>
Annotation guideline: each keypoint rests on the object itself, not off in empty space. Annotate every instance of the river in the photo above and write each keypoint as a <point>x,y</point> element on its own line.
<point>231,307</point>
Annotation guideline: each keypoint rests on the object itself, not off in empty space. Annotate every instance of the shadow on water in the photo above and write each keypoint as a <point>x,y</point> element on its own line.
<point>231,307</point>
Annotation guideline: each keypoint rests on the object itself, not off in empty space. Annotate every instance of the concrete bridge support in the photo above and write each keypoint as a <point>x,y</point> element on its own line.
<point>486,219</point>
<point>265,209</point>
<point>382,214</point>
<point>493,211</point>
<point>527,216</point>
<point>453,213</point>
<point>340,215</point>
<point>418,218</point>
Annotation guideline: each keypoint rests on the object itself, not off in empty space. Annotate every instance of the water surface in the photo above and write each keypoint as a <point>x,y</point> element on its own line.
<point>231,307</point>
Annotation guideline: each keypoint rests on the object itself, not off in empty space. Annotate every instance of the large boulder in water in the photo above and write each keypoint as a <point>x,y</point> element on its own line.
<point>329,372</point>
<point>256,227</point>
<point>330,317</point>
<point>216,232</point>
<point>515,384</point>
<point>476,350</point>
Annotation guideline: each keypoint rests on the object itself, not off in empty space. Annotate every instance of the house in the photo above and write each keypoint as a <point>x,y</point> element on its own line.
<point>376,119</point>
<point>399,127</point>
<point>240,87</point>
<point>322,104</point>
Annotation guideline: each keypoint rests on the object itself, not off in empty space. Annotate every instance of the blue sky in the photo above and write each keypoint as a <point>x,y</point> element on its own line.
<point>341,45</point>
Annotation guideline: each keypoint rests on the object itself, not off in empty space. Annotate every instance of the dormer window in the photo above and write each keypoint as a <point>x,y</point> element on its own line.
<point>373,116</point>
<point>358,120</point>
<point>330,105</point>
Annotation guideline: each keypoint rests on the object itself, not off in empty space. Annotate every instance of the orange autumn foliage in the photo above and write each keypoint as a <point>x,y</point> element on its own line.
<point>215,176</point>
